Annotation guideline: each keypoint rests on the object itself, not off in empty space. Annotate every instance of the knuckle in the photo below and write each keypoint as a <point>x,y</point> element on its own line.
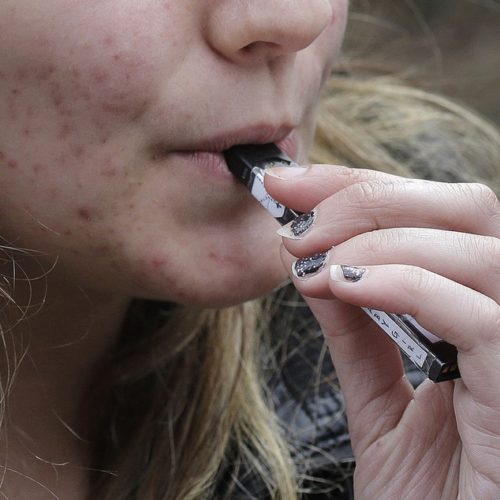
<point>417,281</point>
<point>490,318</point>
<point>370,243</point>
<point>483,251</point>
<point>364,194</point>
<point>490,253</point>
<point>376,242</point>
<point>354,175</point>
<point>484,198</point>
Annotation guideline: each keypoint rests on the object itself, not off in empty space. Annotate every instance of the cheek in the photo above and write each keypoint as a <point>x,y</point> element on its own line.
<point>72,89</point>
<point>89,69</point>
<point>86,90</point>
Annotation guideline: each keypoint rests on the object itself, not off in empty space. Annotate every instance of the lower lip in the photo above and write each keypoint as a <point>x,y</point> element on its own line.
<point>214,164</point>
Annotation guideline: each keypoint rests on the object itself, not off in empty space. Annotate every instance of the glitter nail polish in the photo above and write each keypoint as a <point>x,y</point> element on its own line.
<point>299,226</point>
<point>309,266</point>
<point>353,274</point>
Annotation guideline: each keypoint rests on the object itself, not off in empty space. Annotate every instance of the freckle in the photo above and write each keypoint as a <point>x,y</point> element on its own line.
<point>213,256</point>
<point>62,160</point>
<point>27,132</point>
<point>133,64</point>
<point>12,163</point>
<point>2,156</point>
<point>68,232</point>
<point>99,76</point>
<point>46,72</point>
<point>116,57</point>
<point>56,95</point>
<point>77,150</point>
<point>158,262</point>
<point>109,172</point>
<point>21,74</point>
<point>99,125</point>
<point>37,167</point>
<point>131,206</point>
<point>15,91</point>
<point>84,213</point>
<point>64,131</point>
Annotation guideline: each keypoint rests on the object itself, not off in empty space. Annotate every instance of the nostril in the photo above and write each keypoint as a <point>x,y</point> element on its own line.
<point>255,47</point>
<point>266,28</point>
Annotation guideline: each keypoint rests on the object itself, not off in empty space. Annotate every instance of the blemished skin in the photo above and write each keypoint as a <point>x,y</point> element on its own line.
<point>92,90</point>
<point>112,117</point>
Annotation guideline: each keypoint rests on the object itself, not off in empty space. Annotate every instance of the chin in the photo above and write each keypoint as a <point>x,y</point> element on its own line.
<point>226,291</point>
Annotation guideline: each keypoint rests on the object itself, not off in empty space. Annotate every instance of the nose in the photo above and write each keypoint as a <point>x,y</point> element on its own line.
<point>246,31</point>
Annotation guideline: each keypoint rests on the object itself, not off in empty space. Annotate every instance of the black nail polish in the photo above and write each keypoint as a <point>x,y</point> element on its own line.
<point>352,273</point>
<point>302,223</point>
<point>308,266</point>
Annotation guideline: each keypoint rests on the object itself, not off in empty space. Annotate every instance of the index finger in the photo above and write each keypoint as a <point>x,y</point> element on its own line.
<point>302,188</point>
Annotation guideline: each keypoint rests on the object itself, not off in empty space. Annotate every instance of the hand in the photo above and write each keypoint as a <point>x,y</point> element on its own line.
<point>431,250</point>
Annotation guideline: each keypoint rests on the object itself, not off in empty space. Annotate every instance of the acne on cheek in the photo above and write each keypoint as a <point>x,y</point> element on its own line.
<point>101,84</point>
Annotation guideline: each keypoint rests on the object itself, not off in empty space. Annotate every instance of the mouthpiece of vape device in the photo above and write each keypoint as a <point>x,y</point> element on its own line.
<point>248,163</point>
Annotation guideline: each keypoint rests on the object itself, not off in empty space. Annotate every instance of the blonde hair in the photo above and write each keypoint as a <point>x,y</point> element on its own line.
<point>182,410</point>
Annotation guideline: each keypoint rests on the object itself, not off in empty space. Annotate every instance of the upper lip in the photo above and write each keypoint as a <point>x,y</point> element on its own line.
<point>261,133</point>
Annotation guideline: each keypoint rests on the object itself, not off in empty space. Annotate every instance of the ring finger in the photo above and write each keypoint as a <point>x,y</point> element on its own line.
<point>468,259</point>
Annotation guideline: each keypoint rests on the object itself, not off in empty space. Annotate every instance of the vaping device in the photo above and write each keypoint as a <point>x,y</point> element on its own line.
<point>435,357</point>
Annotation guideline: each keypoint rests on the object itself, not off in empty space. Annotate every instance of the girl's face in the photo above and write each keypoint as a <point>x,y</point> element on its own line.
<point>111,116</point>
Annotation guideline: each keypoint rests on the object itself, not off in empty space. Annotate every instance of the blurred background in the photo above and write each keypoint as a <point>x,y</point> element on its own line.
<point>448,46</point>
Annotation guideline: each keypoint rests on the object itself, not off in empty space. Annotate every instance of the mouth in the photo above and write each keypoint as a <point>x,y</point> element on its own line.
<point>206,154</point>
<point>283,136</point>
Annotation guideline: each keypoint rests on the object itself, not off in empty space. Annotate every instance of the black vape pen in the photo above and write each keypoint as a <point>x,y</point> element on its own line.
<point>435,357</point>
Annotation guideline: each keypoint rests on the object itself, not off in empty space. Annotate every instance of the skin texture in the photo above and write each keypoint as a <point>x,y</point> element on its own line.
<point>93,89</point>
<point>96,98</point>
<point>431,250</point>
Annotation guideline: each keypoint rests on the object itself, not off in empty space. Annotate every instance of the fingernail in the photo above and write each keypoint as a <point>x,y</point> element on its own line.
<point>298,227</point>
<point>348,274</point>
<point>309,266</point>
<point>285,173</point>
